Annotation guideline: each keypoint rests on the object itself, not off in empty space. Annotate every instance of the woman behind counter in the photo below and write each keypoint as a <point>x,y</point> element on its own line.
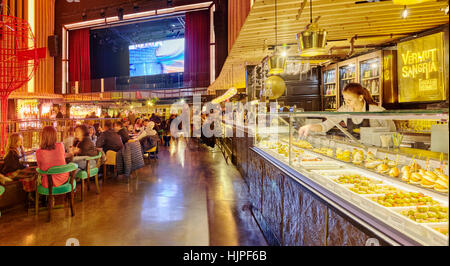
<point>357,99</point>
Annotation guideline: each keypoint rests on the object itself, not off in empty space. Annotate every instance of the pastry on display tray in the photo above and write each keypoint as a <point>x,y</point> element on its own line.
<point>404,199</point>
<point>424,214</point>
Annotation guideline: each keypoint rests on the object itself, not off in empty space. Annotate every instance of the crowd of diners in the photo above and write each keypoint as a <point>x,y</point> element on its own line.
<point>82,141</point>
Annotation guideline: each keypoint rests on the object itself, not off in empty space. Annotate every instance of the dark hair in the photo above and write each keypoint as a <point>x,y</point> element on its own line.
<point>357,89</point>
<point>146,120</point>
<point>108,124</point>
<point>84,129</point>
<point>48,138</point>
<point>118,123</point>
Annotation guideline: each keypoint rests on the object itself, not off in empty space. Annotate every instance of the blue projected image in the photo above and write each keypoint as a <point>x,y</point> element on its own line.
<point>155,58</point>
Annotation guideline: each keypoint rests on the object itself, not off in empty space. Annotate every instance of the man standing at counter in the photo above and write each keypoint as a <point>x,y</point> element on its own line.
<point>357,99</point>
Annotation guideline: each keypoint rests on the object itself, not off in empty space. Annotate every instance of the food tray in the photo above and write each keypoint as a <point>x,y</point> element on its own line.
<point>420,230</point>
<point>325,165</point>
<point>398,208</point>
<point>337,173</point>
<point>436,236</point>
<point>348,186</point>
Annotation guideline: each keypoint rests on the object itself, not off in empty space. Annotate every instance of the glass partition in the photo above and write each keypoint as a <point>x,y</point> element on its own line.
<point>379,169</point>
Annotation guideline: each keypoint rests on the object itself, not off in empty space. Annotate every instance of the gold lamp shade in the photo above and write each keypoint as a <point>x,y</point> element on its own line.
<point>274,87</point>
<point>312,41</point>
<point>277,63</point>
<point>409,2</point>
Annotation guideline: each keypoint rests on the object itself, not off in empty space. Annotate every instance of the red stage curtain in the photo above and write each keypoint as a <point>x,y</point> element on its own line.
<point>237,14</point>
<point>79,59</point>
<point>197,48</point>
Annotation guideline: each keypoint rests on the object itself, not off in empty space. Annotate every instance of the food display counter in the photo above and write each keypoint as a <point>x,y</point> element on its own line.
<point>334,190</point>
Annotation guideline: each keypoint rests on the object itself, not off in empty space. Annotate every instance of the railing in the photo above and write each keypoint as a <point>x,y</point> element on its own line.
<point>128,83</point>
<point>31,129</point>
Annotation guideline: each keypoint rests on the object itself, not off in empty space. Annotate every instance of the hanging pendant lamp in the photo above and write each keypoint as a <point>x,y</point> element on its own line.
<point>277,62</point>
<point>313,40</point>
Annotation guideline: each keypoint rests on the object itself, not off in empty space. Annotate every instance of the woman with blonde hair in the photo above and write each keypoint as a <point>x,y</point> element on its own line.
<point>13,168</point>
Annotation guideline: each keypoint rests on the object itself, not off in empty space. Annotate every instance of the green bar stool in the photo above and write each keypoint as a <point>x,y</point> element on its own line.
<point>68,187</point>
<point>2,190</point>
<point>88,173</point>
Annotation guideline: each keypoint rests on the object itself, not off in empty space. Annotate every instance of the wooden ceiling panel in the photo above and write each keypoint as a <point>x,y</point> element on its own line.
<point>342,19</point>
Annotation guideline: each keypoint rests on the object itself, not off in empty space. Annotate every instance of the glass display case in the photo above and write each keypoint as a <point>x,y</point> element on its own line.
<point>374,171</point>
<point>330,91</point>
<point>347,74</point>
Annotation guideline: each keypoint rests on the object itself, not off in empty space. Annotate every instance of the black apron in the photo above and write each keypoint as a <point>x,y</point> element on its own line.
<point>351,126</point>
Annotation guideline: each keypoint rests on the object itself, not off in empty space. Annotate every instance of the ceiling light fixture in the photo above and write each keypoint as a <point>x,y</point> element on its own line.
<point>277,63</point>
<point>135,7</point>
<point>312,41</point>
<point>445,10</point>
<point>103,13</point>
<point>120,13</point>
<point>405,13</point>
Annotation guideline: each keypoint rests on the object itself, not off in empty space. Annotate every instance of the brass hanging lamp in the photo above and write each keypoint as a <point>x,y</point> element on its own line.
<point>277,62</point>
<point>313,40</point>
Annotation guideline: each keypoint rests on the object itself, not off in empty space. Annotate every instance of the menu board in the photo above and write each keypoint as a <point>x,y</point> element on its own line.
<point>421,69</point>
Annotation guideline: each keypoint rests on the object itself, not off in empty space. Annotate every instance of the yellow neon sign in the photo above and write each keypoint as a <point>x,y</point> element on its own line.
<point>421,69</point>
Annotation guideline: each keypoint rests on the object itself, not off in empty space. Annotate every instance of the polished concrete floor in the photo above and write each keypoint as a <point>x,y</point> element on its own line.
<point>190,196</point>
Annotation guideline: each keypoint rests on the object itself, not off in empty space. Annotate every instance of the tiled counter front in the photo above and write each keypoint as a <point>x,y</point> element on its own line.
<point>291,215</point>
<point>240,148</point>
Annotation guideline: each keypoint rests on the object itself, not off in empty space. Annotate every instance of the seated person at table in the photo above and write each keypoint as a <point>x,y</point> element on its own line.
<point>92,134</point>
<point>138,125</point>
<point>51,154</point>
<point>109,139</point>
<point>13,168</point>
<point>147,130</point>
<point>68,141</point>
<point>122,131</point>
<point>98,129</point>
<point>83,146</point>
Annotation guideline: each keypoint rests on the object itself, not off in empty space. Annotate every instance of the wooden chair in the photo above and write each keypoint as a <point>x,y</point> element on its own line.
<point>110,160</point>
<point>66,188</point>
<point>88,173</point>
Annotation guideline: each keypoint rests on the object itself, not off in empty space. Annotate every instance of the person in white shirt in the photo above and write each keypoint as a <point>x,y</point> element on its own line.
<point>357,99</point>
<point>147,130</point>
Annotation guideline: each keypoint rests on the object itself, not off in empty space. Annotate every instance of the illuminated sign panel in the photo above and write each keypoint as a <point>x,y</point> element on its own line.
<point>421,69</point>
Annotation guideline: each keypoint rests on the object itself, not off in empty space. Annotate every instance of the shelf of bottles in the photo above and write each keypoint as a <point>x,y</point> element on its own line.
<point>28,110</point>
<point>370,77</point>
<point>46,110</point>
<point>83,111</point>
<point>330,90</point>
<point>347,74</point>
